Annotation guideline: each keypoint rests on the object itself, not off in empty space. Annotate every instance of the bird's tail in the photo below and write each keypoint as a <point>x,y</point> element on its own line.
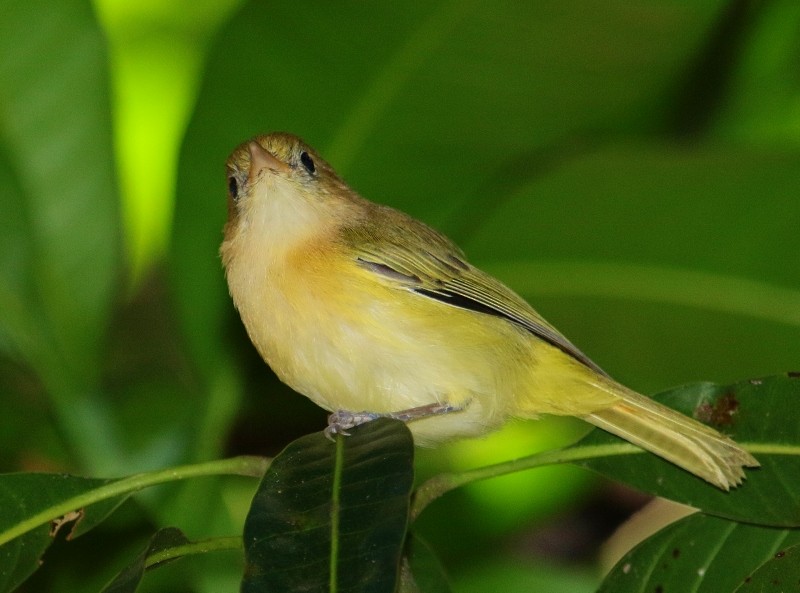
<point>685,442</point>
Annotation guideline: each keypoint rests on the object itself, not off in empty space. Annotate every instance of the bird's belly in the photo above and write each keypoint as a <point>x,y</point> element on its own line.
<point>356,350</point>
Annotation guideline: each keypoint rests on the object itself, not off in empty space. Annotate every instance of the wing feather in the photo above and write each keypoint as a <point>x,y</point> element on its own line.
<point>426,262</point>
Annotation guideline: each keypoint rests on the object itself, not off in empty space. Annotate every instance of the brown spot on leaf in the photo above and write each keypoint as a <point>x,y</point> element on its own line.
<point>721,412</point>
<point>780,554</point>
<point>659,589</point>
<point>57,524</point>
<point>676,552</point>
<point>793,374</point>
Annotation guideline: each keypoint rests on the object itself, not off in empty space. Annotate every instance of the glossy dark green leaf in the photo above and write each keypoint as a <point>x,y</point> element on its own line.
<point>22,497</point>
<point>702,554</point>
<point>332,516</point>
<point>127,581</point>
<point>761,414</point>
<point>778,574</point>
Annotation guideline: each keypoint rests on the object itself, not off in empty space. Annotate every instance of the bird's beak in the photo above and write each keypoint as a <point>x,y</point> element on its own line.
<point>261,159</point>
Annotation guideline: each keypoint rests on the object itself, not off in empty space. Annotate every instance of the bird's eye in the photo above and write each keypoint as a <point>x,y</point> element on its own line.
<point>308,162</point>
<point>233,187</point>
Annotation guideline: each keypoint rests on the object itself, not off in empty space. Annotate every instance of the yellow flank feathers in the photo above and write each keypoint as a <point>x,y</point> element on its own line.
<point>365,309</point>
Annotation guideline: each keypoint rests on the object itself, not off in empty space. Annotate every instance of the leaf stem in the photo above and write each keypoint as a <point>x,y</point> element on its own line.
<point>771,448</point>
<point>242,466</point>
<point>212,544</point>
<point>336,509</point>
<point>443,483</point>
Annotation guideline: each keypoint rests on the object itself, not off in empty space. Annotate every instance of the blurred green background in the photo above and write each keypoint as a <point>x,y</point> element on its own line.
<point>631,167</point>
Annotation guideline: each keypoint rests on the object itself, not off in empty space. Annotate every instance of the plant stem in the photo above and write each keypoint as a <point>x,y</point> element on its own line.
<point>336,504</point>
<point>241,466</point>
<point>443,483</point>
<point>212,544</point>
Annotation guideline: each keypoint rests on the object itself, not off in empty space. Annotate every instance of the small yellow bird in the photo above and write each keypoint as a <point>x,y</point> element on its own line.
<point>371,313</point>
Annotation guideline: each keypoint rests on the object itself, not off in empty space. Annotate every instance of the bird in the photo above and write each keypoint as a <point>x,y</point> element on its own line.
<point>372,313</point>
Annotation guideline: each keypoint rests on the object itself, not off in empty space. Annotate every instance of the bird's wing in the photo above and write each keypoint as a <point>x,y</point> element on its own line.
<point>414,257</point>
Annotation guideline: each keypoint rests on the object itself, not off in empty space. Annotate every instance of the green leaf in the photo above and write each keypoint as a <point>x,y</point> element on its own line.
<point>20,558</point>
<point>17,325</point>
<point>780,573</point>
<point>61,256</point>
<point>762,414</point>
<point>29,501</point>
<point>702,554</point>
<point>56,120</point>
<point>332,516</point>
<point>760,101</point>
<point>127,581</point>
<point>660,298</point>
<point>23,497</point>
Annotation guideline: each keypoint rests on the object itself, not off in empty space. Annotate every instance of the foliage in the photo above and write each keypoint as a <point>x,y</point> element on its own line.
<point>631,167</point>
<point>332,516</point>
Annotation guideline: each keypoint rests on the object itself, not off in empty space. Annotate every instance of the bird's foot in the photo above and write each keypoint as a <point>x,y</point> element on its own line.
<point>341,421</point>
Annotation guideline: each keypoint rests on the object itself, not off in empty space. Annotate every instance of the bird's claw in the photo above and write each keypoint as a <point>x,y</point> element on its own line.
<point>341,421</point>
